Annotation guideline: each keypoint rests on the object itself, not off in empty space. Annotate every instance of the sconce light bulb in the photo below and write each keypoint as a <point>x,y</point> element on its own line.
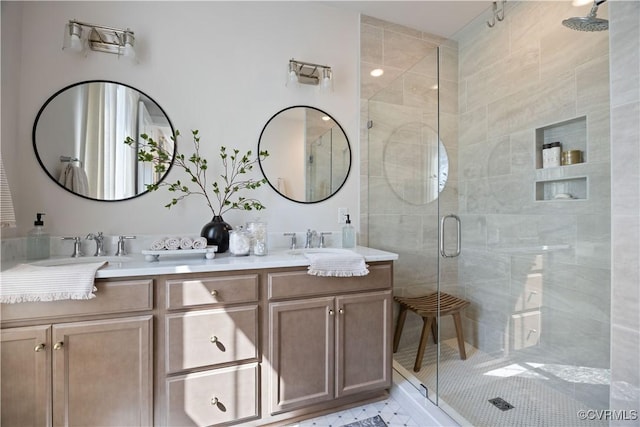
<point>75,44</point>
<point>293,77</point>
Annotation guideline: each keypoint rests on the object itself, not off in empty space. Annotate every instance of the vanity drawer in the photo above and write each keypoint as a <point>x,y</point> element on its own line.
<point>288,284</point>
<point>211,337</point>
<point>191,292</point>
<point>112,296</point>
<point>213,397</point>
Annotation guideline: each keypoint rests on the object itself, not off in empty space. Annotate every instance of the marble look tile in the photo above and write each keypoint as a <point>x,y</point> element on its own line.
<point>404,51</point>
<point>625,63</point>
<point>592,85</point>
<point>371,41</point>
<point>625,154</point>
<point>626,271</point>
<point>473,129</point>
<point>625,368</point>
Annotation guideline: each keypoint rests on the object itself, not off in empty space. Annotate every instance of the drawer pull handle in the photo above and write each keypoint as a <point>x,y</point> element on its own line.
<point>214,293</point>
<point>213,339</point>
<point>39,347</point>
<point>58,345</point>
<point>215,402</point>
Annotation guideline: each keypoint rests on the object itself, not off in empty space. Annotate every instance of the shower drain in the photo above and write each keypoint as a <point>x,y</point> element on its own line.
<point>501,404</point>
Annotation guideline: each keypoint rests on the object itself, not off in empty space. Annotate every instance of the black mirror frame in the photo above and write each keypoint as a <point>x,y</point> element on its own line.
<point>52,97</point>
<point>346,138</point>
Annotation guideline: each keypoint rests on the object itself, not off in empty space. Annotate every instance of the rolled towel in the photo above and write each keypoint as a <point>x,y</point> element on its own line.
<point>158,245</point>
<point>186,243</point>
<point>172,243</point>
<point>199,243</point>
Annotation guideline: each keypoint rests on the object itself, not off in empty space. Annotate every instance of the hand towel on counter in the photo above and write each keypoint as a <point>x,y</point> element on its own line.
<point>186,243</point>
<point>343,264</point>
<point>199,243</point>
<point>172,243</point>
<point>27,282</point>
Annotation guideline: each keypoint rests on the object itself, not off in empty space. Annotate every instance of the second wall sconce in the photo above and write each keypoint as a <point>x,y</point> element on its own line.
<point>310,74</point>
<point>99,38</point>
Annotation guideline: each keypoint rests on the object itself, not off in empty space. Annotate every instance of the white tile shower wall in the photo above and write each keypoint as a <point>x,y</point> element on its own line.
<point>525,73</point>
<point>625,199</point>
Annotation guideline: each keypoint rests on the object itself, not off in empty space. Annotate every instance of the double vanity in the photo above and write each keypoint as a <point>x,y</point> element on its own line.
<point>190,341</point>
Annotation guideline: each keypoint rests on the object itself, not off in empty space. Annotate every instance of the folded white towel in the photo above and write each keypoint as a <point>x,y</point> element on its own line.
<point>27,282</point>
<point>186,243</point>
<point>199,243</point>
<point>343,264</point>
<point>172,243</point>
<point>158,245</point>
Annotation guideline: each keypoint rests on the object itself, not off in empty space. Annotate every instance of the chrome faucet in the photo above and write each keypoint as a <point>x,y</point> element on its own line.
<point>121,251</point>
<point>76,246</point>
<point>324,233</point>
<point>99,238</point>
<point>294,241</point>
<point>309,242</point>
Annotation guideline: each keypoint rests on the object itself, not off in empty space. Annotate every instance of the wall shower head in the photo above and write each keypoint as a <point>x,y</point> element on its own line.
<point>589,22</point>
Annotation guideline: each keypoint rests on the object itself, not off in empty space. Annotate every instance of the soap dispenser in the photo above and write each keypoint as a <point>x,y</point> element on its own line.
<point>38,240</point>
<point>348,234</point>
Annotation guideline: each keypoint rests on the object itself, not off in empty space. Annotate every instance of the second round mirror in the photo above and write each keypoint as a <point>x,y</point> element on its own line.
<point>309,154</point>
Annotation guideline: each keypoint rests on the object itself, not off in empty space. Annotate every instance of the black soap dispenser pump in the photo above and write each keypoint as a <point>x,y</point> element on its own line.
<point>348,234</point>
<point>38,241</point>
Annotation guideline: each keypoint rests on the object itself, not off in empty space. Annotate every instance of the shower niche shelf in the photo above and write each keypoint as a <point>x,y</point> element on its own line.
<point>567,182</point>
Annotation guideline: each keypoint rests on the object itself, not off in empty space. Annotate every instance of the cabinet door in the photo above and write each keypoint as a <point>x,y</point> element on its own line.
<point>301,352</point>
<point>363,342</point>
<point>102,372</point>
<point>25,360</point>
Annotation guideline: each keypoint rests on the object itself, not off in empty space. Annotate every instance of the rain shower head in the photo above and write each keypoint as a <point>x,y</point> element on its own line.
<point>589,22</point>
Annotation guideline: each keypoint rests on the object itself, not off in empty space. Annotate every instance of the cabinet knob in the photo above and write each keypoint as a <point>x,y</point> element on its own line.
<point>213,339</point>
<point>341,311</point>
<point>331,313</point>
<point>39,347</point>
<point>58,345</point>
<point>214,293</point>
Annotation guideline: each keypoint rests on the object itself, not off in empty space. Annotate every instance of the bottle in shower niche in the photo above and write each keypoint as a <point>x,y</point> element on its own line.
<point>38,240</point>
<point>348,234</point>
<point>551,154</point>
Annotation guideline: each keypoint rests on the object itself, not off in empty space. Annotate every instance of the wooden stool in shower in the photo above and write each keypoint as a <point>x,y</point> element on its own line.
<point>427,308</point>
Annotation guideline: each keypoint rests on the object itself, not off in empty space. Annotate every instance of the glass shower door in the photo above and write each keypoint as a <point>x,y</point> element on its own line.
<point>407,175</point>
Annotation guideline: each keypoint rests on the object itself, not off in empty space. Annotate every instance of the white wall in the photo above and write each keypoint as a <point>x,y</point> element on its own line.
<point>219,67</point>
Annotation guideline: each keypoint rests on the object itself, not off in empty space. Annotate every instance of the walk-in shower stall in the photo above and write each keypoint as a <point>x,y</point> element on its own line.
<point>455,130</point>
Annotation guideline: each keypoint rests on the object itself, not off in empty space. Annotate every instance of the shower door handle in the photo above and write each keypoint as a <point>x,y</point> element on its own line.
<point>443,252</point>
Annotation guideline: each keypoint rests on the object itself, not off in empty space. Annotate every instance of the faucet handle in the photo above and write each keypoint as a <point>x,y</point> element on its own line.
<point>76,246</point>
<point>121,251</point>
<point>322,234</point>
<point>293,240</point>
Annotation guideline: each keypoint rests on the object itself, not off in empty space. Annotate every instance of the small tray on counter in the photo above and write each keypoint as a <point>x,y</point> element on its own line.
<point>153,255</point>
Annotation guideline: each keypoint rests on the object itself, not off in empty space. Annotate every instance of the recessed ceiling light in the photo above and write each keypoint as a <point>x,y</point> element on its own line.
<point>326,118</point>
<point>377,72</point>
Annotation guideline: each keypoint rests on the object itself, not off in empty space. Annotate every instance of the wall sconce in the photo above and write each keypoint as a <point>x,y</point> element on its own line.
<point>310,74</point>
<point>99,38</point>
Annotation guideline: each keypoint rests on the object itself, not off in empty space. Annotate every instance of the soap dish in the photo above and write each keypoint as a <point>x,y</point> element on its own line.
<point>153,255</point>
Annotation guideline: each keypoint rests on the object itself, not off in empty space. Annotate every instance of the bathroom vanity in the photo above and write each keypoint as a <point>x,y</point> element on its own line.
<point>232,340</point>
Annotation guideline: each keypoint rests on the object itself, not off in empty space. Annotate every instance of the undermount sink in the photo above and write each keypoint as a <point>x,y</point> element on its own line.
<point>52,262</point>
<point>303,251</point>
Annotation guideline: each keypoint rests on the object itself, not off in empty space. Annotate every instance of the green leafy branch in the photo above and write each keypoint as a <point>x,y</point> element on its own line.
<point>224,197</point>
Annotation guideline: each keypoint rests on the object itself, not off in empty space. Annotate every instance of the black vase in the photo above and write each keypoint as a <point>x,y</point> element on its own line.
<point>217,233</point>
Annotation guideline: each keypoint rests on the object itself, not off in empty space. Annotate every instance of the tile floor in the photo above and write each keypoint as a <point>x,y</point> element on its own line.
<point>390,410</point>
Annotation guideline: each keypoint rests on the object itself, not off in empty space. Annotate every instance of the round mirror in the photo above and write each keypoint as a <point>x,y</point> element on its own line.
<point>79,135</point>
<point>415,163</point>
<point>309,154</point>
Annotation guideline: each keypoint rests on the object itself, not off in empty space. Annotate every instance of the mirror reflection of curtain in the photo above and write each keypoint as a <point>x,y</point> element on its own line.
<point>111,117</point>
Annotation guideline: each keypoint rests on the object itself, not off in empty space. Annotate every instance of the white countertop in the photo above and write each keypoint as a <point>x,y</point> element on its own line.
<point>136,265</point>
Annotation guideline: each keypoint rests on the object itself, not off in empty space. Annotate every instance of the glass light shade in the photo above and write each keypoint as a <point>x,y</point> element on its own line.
<point>292,78</point>
<point>326,84</point>
<point>129,41</point>
<point>73,37</point>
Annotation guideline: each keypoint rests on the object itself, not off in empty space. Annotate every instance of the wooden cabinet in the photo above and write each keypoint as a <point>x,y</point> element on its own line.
<point>25,360</point>
<point>80,372</point>
<point>325,348</point>
<point>210,374</point>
